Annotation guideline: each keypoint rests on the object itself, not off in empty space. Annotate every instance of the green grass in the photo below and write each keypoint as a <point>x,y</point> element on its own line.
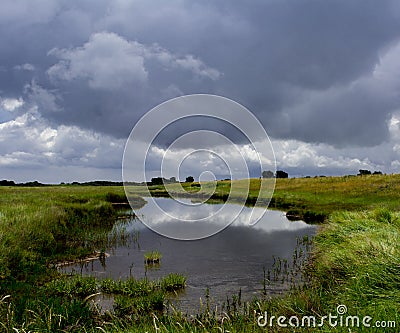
<point>355,260</point>
<point>152,257</point>
<point>64,303</point>
<point>326,195</point>
<point>173,282</point>
<point>39,226</point>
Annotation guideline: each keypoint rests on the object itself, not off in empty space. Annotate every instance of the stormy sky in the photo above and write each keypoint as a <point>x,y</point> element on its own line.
<point>323,77</point>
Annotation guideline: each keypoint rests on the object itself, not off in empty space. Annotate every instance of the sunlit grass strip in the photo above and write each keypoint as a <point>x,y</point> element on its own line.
<point>83,286</point>
<point>310,199</point>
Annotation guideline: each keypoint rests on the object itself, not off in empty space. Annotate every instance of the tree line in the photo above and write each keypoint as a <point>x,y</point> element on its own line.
<point>278,174</point>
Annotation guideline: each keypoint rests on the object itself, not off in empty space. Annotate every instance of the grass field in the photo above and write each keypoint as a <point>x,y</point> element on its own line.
<point>355,261</point>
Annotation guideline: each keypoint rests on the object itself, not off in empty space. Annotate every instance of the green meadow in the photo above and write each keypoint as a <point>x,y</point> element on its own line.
<point>354,261</point>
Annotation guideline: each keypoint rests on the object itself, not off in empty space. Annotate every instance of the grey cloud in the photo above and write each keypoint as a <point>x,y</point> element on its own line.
<point>25,12</point>
<point>356,113</point>
<point>25,67</point>
<point>271,53</point>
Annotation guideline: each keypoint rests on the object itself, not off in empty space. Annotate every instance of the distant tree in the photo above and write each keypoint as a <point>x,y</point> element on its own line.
<point>172,180</point>
<point>7,183</point>
<point>157,181</point>
<point>189,179</point>
<point>377,173</point>
<point>362,172</point>
<point>32,184</point>
<point>281,174</point>
<point>267,174</point>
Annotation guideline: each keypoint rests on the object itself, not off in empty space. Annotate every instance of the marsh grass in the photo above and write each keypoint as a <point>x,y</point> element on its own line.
<point>84,286</point>
<point>173,282</point>
<point>152,257</point>
<point>40,226</point>
<point>63,304</point>
<point>355,261</point>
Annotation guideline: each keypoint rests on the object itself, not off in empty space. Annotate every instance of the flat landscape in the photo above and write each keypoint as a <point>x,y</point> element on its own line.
<point>354,259</point>
<point>199,166</point>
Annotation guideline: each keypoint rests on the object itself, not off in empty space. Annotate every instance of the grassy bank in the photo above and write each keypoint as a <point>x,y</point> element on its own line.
<point>43,225</point>
<point>355,261</point>
<point>40,227</point>
<point>311,199</point>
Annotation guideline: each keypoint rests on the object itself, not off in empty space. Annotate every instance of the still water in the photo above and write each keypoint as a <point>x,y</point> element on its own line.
<point>231,260</point>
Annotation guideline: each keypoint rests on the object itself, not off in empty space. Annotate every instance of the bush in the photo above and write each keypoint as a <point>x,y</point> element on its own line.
<point>281,174</point>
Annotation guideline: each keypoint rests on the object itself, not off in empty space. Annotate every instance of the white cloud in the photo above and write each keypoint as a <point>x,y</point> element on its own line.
<point>196,66</point>
<point>301,158</point>
<point>11,104</point>
<point>237,161</point>
<point>185,62</point>
<point>109,61</point>
<point>29,141</point>
<point>395,164</point>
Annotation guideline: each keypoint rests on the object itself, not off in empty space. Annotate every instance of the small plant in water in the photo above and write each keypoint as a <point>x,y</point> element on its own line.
<point>173,282</point>
<point>152,257</point>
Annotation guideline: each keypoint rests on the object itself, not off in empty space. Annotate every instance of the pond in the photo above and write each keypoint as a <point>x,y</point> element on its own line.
<point>231,260</point>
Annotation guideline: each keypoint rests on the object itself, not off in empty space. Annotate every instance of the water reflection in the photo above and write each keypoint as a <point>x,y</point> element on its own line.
<point>232,259</point>
<point>208,219</point>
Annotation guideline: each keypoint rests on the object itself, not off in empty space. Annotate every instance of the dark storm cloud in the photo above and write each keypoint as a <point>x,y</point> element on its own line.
<point>305,68</point>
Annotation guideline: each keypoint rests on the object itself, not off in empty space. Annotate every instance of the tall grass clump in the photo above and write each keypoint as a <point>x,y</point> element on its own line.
<point>356,262</point>
<point>173,282</point>
<point>152,257</point>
